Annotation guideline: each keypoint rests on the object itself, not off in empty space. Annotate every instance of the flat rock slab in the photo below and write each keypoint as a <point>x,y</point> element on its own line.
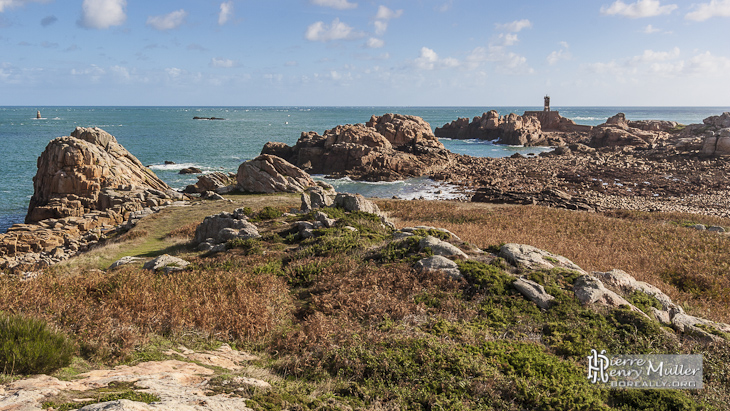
<point>124,261</point>
<point>439,247</point>
<point>180,385</point>
<point>533,258</point>
<point>440,264</point>
<point>166,263</point>
<point>534,292</point>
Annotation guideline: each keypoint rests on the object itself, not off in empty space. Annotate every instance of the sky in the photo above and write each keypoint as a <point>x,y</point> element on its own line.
<point>365,53</point>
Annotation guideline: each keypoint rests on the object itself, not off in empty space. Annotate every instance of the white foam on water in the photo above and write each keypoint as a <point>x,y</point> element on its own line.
<point>173,167</point>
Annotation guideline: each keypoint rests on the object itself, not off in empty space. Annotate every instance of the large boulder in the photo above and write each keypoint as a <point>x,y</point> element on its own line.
<point>511,129</point>
<point>213,225</point>
<point>89,171</point>
<point>215,181</point>
<point>619,131</point>
<point>388,147</point>
<point>271,174</point>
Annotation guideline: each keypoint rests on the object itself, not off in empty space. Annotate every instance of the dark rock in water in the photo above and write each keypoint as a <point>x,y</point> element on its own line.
<point>516,155</point>
<point>168,162</point>
<point>190,170</point>
<point>207,118</point>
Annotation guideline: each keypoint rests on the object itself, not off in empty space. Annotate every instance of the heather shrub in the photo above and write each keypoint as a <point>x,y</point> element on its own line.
<point>28,346</point>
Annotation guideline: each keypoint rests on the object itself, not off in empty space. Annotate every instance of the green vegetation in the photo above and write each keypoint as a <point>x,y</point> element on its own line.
<point>123,395</point>
<point>342,321</point>
<point>28,346</point>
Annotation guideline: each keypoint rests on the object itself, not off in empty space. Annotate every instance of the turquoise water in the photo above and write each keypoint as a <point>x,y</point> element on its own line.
<point>159,134</point>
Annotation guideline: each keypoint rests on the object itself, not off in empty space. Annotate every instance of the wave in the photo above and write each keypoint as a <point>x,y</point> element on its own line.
<point>588,118</point>
<point>173,167</point>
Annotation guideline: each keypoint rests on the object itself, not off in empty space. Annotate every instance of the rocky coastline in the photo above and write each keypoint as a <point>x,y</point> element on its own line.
<point>89,187</point>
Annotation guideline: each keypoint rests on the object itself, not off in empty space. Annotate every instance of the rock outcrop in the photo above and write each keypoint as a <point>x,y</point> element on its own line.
<point>219,182</point>
<point>271,174</point>
<point>388,147</point>
<point>91,171</point>
<point>715,134</point>
<point>618,131</point>
<point>510,129</point>
<point>213,227</point>
<point>87,186</point>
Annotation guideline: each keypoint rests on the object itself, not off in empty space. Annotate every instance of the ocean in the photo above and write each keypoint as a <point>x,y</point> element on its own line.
<point>159,134</point>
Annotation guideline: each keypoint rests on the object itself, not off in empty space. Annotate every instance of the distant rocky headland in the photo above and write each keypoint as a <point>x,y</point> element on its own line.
<point>89,186</point>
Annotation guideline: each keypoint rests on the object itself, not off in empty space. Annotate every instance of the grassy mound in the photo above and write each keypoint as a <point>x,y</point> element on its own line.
<point>345,322</point>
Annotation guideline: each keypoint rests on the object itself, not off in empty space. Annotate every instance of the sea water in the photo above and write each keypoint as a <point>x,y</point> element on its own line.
<point>159,134</point>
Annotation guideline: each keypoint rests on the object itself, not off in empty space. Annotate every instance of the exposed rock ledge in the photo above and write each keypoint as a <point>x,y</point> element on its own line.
<point>87,184</point>
<point>386,148</point>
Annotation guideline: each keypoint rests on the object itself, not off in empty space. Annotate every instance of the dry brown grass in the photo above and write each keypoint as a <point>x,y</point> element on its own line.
<point>693,267</point>
<point>112,313</point>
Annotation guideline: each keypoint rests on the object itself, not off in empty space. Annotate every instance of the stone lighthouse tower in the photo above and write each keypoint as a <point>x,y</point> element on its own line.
<point>547,103</point>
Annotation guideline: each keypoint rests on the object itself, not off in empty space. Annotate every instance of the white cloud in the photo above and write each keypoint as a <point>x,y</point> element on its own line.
<point>640,9</point>
<point>707,64</point>
<point>445,7</point>
<point>121,72</point>
<point>174,72</point>
<point>226,13</point>
<point>715,8</point>
<point>374,43</point>
<point>554,57</point>
<point>663,63</point>
<point>508,39</point>
<point>336,31</point>
<point>385,13</point>
<point>429,60</point>
<point>102,14</point>
<point>382,17</point>
<point>380,27</point>
<point>505,62</point>
<point>94,73</point>
<point>515,26</point>
<point>221,63</point>
<point>167,21</point>
<point>651,56</point>
<point>649,29</point>
<point>17,3</point>
<point>335,4</point>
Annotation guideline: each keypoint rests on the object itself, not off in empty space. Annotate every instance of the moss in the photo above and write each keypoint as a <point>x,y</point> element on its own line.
<point>406,250</point>
<point>249,246</point>
<point>440,234</point>
<point>644,301</point>
<point>114,396</point>
<point>267,213</point>
<point>713,331</point>
<point>485,277</point>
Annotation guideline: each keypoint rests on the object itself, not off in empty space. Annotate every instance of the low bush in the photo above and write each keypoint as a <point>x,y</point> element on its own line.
<point>28,346</point>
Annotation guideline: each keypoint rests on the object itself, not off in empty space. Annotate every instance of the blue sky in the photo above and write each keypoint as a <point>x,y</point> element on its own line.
<point>362,52</point>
